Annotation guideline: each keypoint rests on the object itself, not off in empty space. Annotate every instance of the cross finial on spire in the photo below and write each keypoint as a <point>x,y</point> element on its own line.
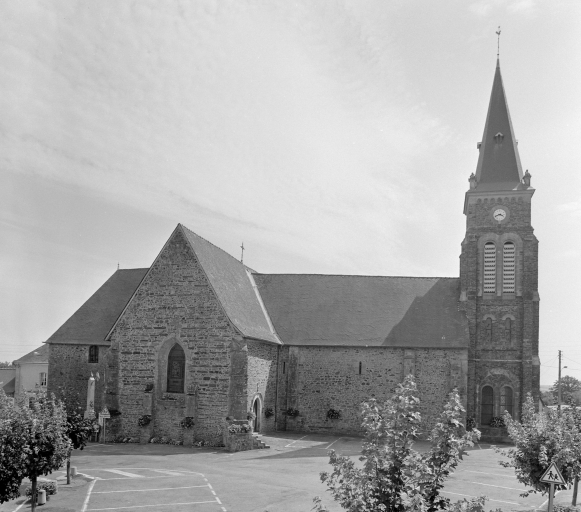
<point>498,43</point>
<point>242,257</point>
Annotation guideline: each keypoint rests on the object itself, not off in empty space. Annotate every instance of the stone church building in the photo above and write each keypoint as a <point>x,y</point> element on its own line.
<point>200,335</point>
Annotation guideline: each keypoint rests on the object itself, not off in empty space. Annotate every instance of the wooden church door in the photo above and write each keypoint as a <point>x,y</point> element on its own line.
<point>176,366</point>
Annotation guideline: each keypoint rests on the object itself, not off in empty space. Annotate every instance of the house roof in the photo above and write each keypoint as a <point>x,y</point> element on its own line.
<point>92,321</point>
<point>499,166</point>
<point>38,355</point>
<point>233,283</point>
<point>10,387</point>
<point>364,310</point>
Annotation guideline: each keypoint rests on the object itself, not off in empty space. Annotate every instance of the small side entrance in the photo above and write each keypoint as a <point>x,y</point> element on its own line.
<point>256,409</point>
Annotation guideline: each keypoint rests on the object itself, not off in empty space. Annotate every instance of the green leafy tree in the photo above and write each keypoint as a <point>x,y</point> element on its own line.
<point>542,438</point>
<point>570,386</point>
<point>78,430</point>
<point>33,442</point>
<point>6,364</point>
<point>394,477</point>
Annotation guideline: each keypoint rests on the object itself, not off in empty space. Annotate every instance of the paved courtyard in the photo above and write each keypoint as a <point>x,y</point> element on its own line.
<point>285,478</point>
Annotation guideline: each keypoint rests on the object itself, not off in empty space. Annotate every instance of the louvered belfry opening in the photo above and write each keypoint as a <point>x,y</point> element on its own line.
<point>508,267</point>
<point>176,366</point>
<point>489,267</point>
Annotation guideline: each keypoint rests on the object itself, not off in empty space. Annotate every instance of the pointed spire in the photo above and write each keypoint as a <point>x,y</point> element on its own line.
<point>499,166</point>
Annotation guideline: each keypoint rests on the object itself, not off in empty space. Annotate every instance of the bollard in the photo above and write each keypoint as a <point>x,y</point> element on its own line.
<point>41,497</point>
<point>73,471</point>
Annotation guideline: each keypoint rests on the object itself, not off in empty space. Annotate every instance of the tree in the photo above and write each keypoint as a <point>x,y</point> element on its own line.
<point>541,439</point>
<point>78,430</point>
<point>569,388</point>
<point>394,477</point>
<point>33,442</point>
<point>6,364</point>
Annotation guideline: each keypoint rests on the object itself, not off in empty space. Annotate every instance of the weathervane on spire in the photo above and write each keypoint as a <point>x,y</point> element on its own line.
<point>242,257</point>
<point>498,43</point>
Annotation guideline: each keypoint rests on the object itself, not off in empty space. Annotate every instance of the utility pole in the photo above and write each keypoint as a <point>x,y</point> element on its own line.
<point>559,386</point>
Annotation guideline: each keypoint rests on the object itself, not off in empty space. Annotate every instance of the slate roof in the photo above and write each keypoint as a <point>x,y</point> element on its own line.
<point>92,321</point>
<point>499,166</point>
<point>364,310</point>
<point>10,387</point>
<point>233,283</point>
<point>38,355</point>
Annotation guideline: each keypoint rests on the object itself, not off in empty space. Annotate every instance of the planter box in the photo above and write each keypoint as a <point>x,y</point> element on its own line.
<point>238,442</point>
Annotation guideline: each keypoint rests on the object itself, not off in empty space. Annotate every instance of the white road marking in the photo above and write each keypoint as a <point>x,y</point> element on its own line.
<point>143,490</point>
<point>499,486</point>
<point>218,500</point>
<point>158,505</point>
<point>124,473</point>
<point>168,472</point>
<point>332,443</point>
<point>487,499</point>
<point>290,444</point>
<point>20,506</point>
<point>86,502</point>
<point>483,473</point>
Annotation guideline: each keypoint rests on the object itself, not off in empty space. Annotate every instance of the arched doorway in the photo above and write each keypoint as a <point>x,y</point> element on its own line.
<point>257,410</point>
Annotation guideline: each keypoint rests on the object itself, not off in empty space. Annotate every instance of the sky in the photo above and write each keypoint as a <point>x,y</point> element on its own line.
<point>330,137</point>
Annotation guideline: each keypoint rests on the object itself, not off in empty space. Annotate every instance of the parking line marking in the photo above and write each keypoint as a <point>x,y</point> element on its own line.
<point>499,486</point>
<point>168,472</point>
<point>158,505</point>
<point>487,499</point>
<point>127,477</point>
<point>86,502</point>
<point>483,473</point>
<point>332,443</point>
<point>218,500</point>
<point>124,473</point>
<point>21,505</point>
<point>143,490</point>
<point>290,444</point>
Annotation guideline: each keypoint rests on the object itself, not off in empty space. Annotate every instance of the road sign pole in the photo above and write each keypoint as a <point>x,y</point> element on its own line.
<point>551,492</point>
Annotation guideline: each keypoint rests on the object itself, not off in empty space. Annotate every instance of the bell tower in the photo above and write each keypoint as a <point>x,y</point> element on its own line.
<point>499,274</point>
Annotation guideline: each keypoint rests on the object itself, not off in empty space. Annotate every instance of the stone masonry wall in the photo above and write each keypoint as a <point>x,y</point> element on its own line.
<point>498,356</point>
<point>174,304</point>
<point>69,371</point>
<point>328,378</point>
<point>262,360</point>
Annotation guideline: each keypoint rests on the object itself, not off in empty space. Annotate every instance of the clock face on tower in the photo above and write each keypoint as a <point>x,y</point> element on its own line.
<point>499,214</point>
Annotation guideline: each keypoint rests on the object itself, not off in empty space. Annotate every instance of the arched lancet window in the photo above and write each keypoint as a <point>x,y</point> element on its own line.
<point>487,410</point>
<point>489,267</point>
<point>506,400</point>
<point>93,354</point>
<point>508,267</point>
<point>360,367</point>
<point>176,369</point>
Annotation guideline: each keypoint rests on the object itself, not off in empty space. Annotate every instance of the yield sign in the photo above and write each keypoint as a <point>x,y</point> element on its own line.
<point>553,476</point>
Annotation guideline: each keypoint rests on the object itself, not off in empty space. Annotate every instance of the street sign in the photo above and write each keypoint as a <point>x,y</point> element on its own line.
<point>553,476</point>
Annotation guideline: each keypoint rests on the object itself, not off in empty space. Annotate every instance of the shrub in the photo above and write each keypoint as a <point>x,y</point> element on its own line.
<point>144,420</point>
<point>268,412</point>
<point>497,422</point>
<point>187,422</point>
<point>292,412</point>
<point>333,414</point>
<point>50,488</point>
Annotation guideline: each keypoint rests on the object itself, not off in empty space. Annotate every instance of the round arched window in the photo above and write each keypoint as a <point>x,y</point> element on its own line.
<point>176,369</point>
<point>487,409</point>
